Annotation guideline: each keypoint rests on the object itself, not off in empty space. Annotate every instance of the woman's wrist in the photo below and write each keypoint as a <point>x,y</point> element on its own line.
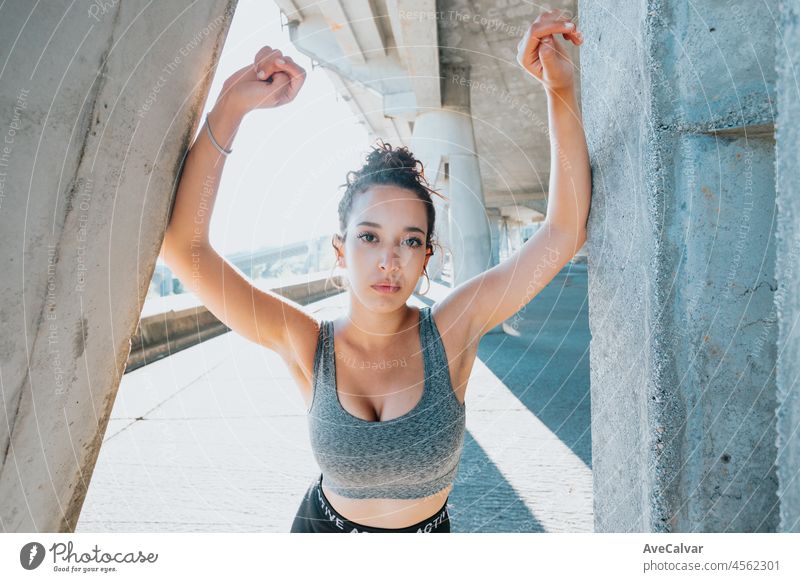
<point>561,94</point>
<point>225,118</point>
<point>563,100</point>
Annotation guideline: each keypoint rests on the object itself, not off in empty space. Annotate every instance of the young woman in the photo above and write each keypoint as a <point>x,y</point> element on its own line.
<point>388,436</point>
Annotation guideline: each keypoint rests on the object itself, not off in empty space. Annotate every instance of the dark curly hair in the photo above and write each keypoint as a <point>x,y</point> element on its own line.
<point>395,166</point>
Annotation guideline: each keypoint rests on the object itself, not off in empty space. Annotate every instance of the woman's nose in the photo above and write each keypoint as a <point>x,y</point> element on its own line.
<point>391,258</point>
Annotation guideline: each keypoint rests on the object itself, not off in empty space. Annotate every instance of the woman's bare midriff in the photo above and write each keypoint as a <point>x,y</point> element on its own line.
<point>388,513</point>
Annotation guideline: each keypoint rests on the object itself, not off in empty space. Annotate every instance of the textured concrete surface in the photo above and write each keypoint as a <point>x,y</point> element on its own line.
<point>787,301</point>
<point>446,135</point>
<point>98,101</point>
<point>678,103</point>
<point>215,437</point>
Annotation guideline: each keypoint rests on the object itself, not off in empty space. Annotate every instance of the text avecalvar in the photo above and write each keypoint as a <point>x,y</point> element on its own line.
<point>672,549</point>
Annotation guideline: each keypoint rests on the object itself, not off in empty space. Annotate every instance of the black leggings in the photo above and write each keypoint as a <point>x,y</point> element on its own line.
<point>317,515</point>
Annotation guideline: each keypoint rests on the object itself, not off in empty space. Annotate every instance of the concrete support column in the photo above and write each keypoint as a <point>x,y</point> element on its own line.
<point>495,220</point>
<point>505,241</point>
<point>787,302</point>
<point>436,263</point>
<point>469,227</point>
<point>446,136</point>
<point>678,104</point>
<point>514,235</point>
<point>97,109</point>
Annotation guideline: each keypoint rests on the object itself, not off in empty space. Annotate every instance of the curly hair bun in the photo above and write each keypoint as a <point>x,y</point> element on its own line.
<point>387,157</point>
<point>389,165</point>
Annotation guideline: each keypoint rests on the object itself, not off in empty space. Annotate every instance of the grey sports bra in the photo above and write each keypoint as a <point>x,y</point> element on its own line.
<point>411,456</point>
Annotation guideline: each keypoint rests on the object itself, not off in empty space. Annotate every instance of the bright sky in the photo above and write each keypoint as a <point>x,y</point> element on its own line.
<point>280,184</point>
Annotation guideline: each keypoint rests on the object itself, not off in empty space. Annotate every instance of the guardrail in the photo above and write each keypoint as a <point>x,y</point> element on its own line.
<point>162,334</point>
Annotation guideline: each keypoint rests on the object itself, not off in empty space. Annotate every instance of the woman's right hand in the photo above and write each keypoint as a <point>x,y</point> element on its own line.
<point>270,81</point>
<point>542,55</point>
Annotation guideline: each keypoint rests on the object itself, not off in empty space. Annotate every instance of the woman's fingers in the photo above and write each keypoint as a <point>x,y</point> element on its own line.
<point>538,30</point>
<point>269,61</point>
<point>297,76</point>
<point>541,53</point>
<point>278,90</point>
<point>575,36</point>
<point>547,25</point>
<point>548,49</point>
<point>289,92</point>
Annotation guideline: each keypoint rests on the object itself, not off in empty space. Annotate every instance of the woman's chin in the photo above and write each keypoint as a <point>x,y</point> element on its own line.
<point>385,300</point>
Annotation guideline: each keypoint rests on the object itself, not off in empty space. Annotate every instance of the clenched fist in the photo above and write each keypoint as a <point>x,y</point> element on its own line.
<point>543,56</point>
<point>270,81</point>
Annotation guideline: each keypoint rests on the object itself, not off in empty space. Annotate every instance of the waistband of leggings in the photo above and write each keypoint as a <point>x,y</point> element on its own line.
<point>424,526</point>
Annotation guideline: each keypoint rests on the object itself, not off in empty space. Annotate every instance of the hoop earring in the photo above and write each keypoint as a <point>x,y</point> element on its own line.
<point>335,266</point>
<point>345,285</point>
<point>331,279</point>
<point>429,285</point>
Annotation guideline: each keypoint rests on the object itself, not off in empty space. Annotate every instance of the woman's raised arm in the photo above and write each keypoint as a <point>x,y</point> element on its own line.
<point>495,295</point>
<point>260,316</point>
<point>241,93</point>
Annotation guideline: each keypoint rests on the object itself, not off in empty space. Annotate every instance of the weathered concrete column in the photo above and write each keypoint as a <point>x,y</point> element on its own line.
<point>447,134</point>
<point>515,235</point>
<point>505,238</point>
<point>469,226</point>
<point>98,104</point>
<point>787,301</point>
<point>678,106</point>
<point>495,220</point>
<point>436,262</point>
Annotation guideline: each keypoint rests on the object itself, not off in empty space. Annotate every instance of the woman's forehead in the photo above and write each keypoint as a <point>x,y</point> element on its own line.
<point>389,206</point>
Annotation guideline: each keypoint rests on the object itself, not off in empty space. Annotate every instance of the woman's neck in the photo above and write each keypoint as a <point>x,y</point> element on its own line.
<point>371,331</point>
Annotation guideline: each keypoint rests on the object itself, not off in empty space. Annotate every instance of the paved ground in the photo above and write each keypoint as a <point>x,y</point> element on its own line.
<point>214,438</point>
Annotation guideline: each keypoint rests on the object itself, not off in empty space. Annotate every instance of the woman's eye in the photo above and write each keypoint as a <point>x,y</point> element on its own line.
<point>369,238</point>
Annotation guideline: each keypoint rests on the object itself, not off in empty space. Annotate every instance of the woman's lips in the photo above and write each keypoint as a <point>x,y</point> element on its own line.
<point>386,288</point>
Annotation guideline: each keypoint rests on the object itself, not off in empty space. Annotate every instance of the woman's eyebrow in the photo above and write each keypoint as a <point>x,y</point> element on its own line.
<point>376,225</point>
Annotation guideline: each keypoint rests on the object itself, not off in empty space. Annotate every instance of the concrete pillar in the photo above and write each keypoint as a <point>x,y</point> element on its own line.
<point>446,134</point>
<point>678,107</point>
<point>469,227</point>
<point>535,227</point>
<point>787,302</point>
<point>98,103</point>
<point>514,235</point>
<point>429,154</point>
<point>436,262</point>
<point>494,229</point>
<point>162,277</point>
<point>505,242</point>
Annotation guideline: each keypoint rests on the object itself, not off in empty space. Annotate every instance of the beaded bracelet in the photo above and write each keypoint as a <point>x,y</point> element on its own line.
<point>220,149</point>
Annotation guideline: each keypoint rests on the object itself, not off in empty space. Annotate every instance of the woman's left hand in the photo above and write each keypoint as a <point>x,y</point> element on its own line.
<point>543,56</point>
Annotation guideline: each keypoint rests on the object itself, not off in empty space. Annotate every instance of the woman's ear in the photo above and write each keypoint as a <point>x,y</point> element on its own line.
<point>337,242</point>
<point>428,256</point>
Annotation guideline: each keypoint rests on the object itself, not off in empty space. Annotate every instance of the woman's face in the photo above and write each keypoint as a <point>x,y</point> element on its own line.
<point>385,245</point>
